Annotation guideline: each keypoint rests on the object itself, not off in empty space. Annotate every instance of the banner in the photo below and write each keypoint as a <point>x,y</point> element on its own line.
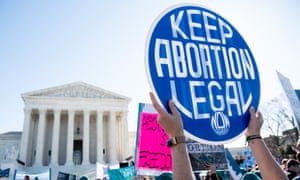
<point>65,176</point>
<point>198,59</point>
<point>203,154</point>
<point>291,97</point>
<point>40,175</point>
<point>152,154</point>
<point>126,173</point>
<point>4,174</point>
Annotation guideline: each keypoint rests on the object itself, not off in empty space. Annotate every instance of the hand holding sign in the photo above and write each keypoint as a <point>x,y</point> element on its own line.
<point>255,124</point>
<point>171,123</point>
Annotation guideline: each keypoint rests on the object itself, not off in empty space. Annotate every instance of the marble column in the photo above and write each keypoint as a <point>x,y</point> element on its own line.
<point>70,140</point>
<point>25,137</point>
<point>100,136</point>
<point>125,135</point>
<point>86,137</point>
<point>112,138</point>
<point>40,138</point>
<point>55,138</point>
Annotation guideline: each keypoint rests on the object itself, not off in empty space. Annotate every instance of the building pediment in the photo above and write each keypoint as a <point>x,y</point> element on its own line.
<point>75,90</point>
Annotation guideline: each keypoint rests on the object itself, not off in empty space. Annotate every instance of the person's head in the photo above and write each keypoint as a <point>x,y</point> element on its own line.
<point>293,165</point>
<point>298,156</point>
<point>284,163</point>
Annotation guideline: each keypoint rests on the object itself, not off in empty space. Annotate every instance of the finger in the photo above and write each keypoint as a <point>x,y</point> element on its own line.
<point>252,112</point>
<point>260,119</point>
<point>155,104</point>
<point>173,109</point>
<point>253,118</point>
<point>259,116</point>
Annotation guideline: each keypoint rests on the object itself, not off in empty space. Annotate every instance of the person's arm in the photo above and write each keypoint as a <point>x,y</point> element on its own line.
<point>269,168</point>
<point>172,124</point>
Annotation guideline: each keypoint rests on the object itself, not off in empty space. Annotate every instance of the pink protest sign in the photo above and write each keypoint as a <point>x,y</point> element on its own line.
<point>152,151</point>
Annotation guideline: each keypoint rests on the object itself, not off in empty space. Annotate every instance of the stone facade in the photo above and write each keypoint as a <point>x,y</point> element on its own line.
<point>75,124</point>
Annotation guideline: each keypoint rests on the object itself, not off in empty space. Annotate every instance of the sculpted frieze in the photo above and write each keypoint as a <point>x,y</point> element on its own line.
<point>81,92</point>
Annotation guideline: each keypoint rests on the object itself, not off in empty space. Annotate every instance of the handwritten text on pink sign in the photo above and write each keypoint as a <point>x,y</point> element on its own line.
<point>153,152</point>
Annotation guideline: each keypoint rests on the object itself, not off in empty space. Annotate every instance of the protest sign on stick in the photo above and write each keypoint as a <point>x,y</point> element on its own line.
<point>291,96</point>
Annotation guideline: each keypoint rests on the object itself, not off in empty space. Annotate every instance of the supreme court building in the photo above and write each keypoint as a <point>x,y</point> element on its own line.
<point>74,124</point>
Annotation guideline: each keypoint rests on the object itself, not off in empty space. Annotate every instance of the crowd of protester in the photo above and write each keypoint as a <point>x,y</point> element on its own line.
<point>290,166</point>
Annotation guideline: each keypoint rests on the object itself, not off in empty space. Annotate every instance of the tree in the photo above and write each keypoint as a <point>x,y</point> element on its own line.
<point>279,125</point>
<point>277,117</point>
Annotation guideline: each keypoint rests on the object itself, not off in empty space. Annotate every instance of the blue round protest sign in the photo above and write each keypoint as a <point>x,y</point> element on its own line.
<point>199,60</point>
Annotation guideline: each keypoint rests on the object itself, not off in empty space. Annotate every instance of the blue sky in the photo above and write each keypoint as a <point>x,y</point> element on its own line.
<point>50,43</point>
